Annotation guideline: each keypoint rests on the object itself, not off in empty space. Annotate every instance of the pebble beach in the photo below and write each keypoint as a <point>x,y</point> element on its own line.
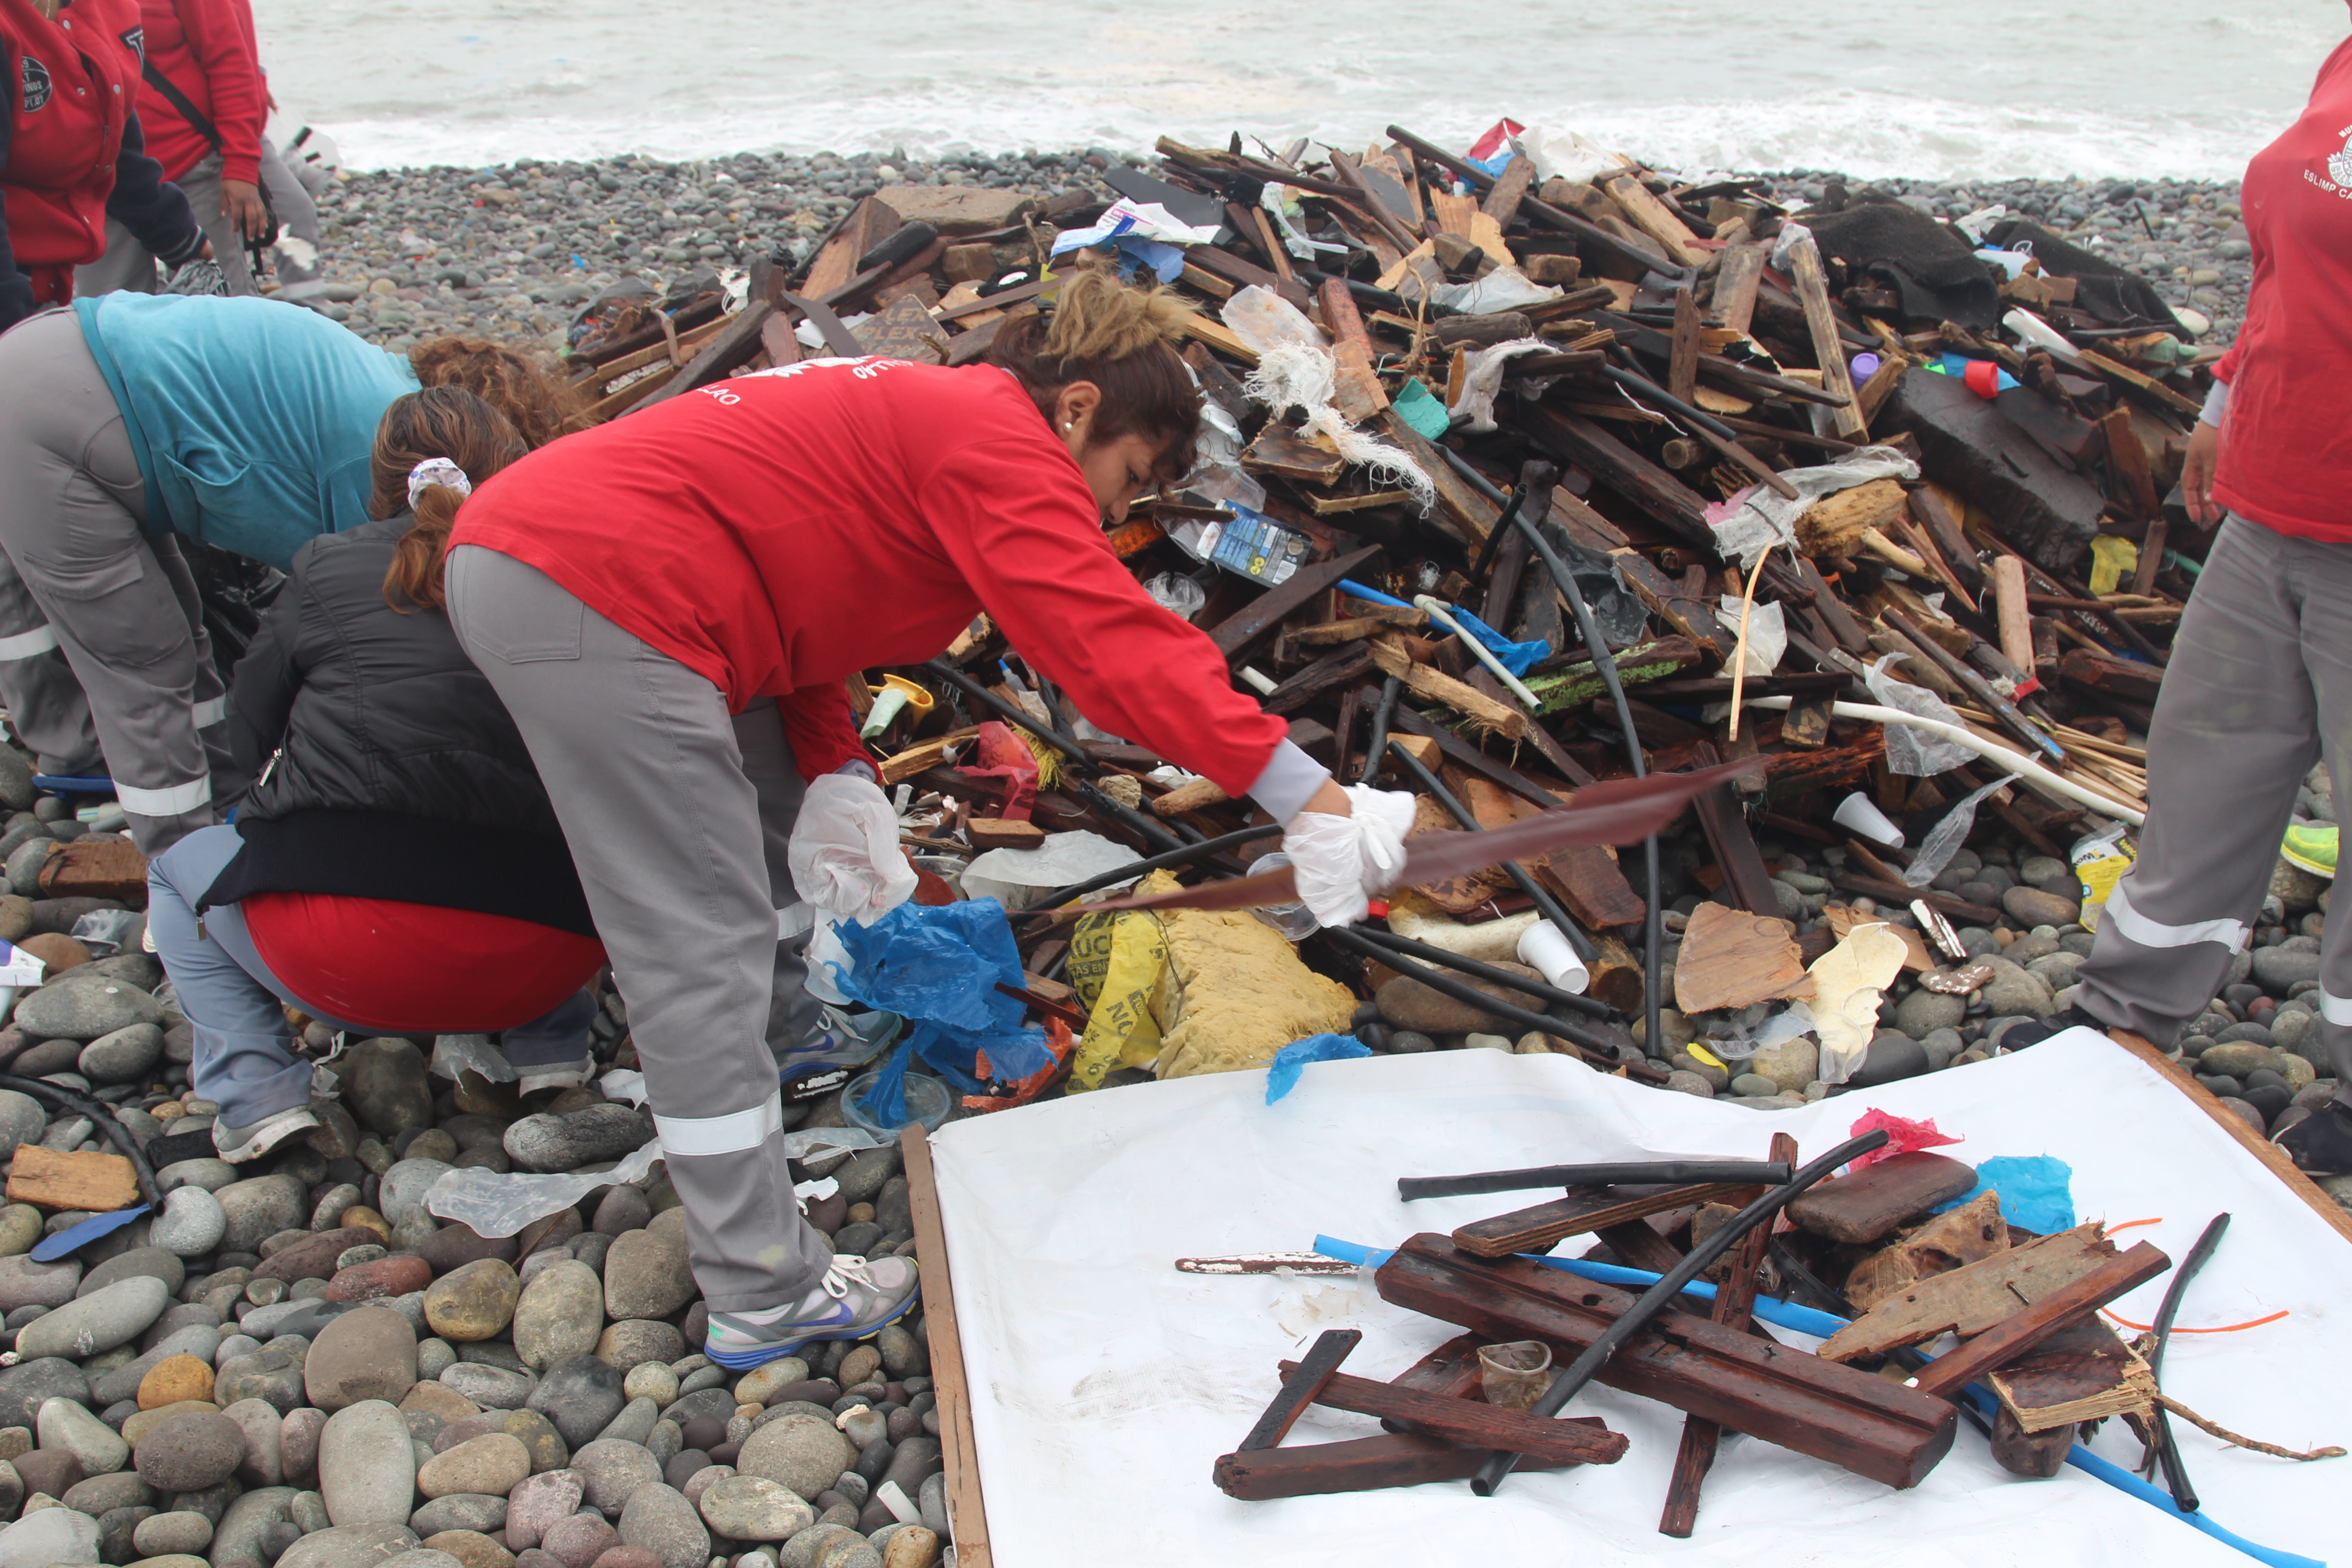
<point>517,248</point>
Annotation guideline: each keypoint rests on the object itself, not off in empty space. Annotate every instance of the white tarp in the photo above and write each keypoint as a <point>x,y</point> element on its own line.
<point>1105,1383</point>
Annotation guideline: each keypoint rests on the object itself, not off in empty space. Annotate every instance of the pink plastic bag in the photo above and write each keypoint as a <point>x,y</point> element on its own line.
<point>1903,1137</point>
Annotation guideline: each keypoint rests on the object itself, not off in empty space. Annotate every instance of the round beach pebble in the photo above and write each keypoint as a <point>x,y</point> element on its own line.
<point>378,1276</point>
<point>473,1303</point>
<point>173,1379</point>
<point>491,1465</point>
<point>560,1314</point>
<point>753,1508</point>
<point>171,1534</point>
<point>189,1453</point>
<point>192,1224</point>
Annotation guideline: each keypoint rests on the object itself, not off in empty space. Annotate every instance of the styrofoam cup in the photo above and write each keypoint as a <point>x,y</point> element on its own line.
<point>1544,949</point>
<point>1860,814</point>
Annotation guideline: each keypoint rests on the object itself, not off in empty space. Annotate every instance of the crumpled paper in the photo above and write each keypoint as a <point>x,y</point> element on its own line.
<point>1849,981</point>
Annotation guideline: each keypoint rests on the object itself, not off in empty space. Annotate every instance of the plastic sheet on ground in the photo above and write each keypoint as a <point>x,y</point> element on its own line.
<point>1105,1383</point>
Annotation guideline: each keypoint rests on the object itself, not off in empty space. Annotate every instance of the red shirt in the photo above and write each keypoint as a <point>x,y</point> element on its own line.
<point>778,532</point>
<point>413,968</point>
<point>206,50</point>
<point>68,87</point>
<point>2286,445</point>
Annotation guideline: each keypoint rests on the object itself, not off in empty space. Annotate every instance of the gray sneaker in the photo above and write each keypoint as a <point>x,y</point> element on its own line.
<point>857,1297</point>
<point>238,1144</point>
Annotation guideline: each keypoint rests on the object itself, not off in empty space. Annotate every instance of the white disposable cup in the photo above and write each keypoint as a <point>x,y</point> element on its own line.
<point>1544,949</point>
<point>1860,814</point>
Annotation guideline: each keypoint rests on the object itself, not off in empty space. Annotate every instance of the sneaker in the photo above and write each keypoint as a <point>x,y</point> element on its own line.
<point>554,1075</point>
<point>238,1144</point>
<point>2321,1142</point>
<point>2033,1031</point>
<point>857,1297</point>
<point>2312,846</point>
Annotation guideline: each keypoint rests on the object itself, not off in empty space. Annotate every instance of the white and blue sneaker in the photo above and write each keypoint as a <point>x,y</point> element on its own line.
<point>857,1297</point>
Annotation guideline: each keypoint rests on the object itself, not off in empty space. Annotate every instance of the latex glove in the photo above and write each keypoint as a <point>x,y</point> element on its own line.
<point>1339,860</point>
<point>844,850</point>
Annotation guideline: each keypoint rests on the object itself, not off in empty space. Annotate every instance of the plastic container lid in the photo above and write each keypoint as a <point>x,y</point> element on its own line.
<point>927,1102</point>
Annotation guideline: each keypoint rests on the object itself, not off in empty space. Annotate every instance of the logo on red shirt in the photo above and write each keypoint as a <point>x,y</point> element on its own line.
<point>36,85</point>
<point>2339,164</point>
<point>135,40</point>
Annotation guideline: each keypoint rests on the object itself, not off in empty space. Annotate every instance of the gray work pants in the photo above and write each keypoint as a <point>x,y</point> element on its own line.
<point>104,662</point>
<point>237,1003</point>
<point>2259,689</point>
<point>129,265</point>
<point>678,817</point>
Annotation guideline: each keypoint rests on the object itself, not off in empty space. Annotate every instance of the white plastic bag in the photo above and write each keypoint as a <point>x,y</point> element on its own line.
<point>1019,877</point>
<point>1943,840</point>
<point>1915,753</point>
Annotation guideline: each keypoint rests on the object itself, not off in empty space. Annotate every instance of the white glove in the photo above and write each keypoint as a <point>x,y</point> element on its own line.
<point>1339,859</point>
<point>844,850</point>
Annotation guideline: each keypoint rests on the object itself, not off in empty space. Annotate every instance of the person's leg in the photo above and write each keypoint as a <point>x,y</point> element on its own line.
<point>768,764</point>
<point>296,257</point>
<point>127,267</point>
<point>552,1050</point>
<point>646,774</point>
<point>2236,729</point>
<point>245,1050</point>
<point>71,503</point>
<point>202,187</point>
<point>211,709</point>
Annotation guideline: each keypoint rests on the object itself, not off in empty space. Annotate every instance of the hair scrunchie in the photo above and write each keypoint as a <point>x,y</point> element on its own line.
<point>437,471</point>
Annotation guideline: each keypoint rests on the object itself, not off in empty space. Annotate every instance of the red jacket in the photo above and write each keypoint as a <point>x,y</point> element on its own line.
<point>71,153</point>
<point>206,50</point>
<point>778,532</point>
<point>2286,445</point>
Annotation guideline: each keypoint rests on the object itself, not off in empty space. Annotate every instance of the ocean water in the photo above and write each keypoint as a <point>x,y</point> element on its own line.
<point>1934,88</point>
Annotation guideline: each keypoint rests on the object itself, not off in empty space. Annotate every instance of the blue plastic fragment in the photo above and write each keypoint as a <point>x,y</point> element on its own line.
<point>1282,1073</point>
<point>76,1237</point>
<point>63,784</point>
<point>2035,1191</point>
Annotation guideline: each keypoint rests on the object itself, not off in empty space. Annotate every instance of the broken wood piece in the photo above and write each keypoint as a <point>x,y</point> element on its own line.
<point>1820,324</point>
<point>1470,1421</point>
<point>1582,1209</point>
<point>1485,714</point>
<point>2021,1332</point>
<point>1356,1464</point>
<point>1003,833</point>
<point>1732,959</point>
<point>1836,525</point>
<point>1951,1241</point>
<point>1863,1424</point>
<point>1719,816</point>
<point>2084,1372</point>
<point>2035,1454</point>
<point>1194,796</point>
<point>92,1182</point>
<point>1971,1300</point>
<point>1303,1382</point>
<point>1881,1197</point>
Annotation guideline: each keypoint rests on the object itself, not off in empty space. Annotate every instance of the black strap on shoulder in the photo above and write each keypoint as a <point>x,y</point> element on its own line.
<point>195,117</point>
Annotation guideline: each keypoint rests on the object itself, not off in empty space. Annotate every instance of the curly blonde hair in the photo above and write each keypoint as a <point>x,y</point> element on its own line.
<point>518,384</point>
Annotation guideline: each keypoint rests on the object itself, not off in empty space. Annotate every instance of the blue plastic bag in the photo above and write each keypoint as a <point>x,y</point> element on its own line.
<point>938,968</point>
<point>2035,1191</point>
<point>1282,1073</point>
<point>1518,658</point>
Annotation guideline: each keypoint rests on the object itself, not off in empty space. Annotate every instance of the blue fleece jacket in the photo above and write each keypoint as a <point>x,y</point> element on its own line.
<point>252,420</point>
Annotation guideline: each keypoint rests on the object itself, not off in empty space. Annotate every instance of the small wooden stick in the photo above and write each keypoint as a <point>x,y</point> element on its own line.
<point>2232,1438</point>
<point>1739,648</point>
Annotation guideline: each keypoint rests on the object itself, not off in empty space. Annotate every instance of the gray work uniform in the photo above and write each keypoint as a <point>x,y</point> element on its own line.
<point>2258,689</point>
<point>130,266</point>
<point>236,1005</point>
<point>678,816</point>
<point>103,653</point>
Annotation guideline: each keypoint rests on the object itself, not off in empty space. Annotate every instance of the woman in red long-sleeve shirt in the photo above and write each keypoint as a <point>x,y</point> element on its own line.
<point>2259,683</point>
<point>668,607</point>
<point>71,151</point>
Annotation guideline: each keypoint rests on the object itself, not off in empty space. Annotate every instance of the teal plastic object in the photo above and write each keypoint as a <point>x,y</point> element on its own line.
<point>2036,1194</point>
<point>1282,1073</point>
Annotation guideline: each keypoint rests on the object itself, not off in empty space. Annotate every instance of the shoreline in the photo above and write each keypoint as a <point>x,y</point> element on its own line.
<point>515,250</point>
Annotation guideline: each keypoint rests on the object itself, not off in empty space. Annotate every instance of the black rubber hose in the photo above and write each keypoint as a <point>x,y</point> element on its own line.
<point>1133,869</point>
<point>58,1098</point>
<point>1382,715</point>
<point>1653,932</point>
<point>2167,1451</point>
<point>1591,1007</point>
<point>1549,906</point>
<point>1654,1300</point>
<point>1462,991</point>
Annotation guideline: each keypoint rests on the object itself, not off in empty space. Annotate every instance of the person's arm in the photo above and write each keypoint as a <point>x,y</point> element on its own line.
<point>821,731</point>
<point>221,40</point>
<point>1027,540</point>
<point>15,288</point>
<point>2204,457</point>
<point>261,691</point>
<point>150,205</point>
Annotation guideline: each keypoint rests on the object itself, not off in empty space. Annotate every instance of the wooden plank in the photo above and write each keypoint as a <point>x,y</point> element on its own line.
<point>1472,1422</point>
<point>1947,1374</point>
<point>1358,390</point>
<point>2148,384</point>
<point>1237,636</point>
<point>2131,485</point>
<point>729,350</point>
<point>1899,896</point>
<point>95,1182</point>
<point>1682,373</point>
<point>1303,1383</point>
<point>1877,1199</point>
<point>2270,1156</point>
<point>1541,1226</point>
<point>2016,616</point>
<point>1471,515</point>
<point>1736,282</point>
<point>1510,188</point>
<point>1735,848</point>
<point>1974,1299</point>
<point>1640,1247</point>
<point>870,221</point>
<point>1357,1465</point>
<point>903,330</point>
<point>1673,504</point>
<point>1820,324</point>
<point>967,1508</point>
<point>1653,217</point>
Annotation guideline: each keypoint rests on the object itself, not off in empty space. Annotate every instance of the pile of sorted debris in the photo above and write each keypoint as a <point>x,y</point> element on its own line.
<point>1526,471</point>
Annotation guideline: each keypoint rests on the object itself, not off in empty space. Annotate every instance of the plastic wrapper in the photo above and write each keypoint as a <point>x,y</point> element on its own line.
<point>454,1054</point>
<point>103,932</point>
<point>500,1202</point>
<point>1849,981</point>
<point>2100,861</point>
<point>1295,370</point>
<point>1908,751</point>
<point>1482,381</point>
<point>1019,877</point>
<point>1768,634</point>
<point>1904,1136</point>
<point>1943,840</point>
<point>1248,545</point>
<point>1179,596</point>
<point>1282,1073</point>
<point>1115,965</point>
<point>1758,519</point>
<point>1504,289</point>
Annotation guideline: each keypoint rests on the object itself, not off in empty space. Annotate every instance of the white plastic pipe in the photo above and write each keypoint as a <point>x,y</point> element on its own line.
<point>1437,611</point>
<point>2016,761</point>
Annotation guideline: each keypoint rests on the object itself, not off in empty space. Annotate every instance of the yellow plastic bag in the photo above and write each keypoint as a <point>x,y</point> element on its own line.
<point>1115,965</point>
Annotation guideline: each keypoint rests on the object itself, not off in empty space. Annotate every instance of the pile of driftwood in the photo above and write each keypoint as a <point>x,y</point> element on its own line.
<point>1556,467</point>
